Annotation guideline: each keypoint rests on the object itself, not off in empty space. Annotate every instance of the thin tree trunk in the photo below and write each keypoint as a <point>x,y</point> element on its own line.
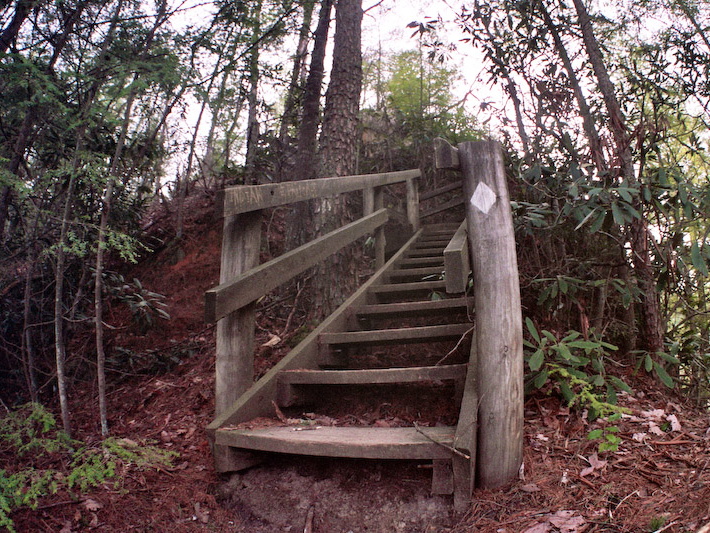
<point>652,324</point>
<point>299,62</point>
<point>252,121</point>
<point>22,11</point>
<point>301,216</point>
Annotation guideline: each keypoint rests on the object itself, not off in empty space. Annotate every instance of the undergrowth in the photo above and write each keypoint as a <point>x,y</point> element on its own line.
<point>52,462</point>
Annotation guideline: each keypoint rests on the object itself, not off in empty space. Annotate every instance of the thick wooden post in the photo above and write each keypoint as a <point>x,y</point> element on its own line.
<point>373,200</point>
<point>498,314</point>
<point>234,367</point>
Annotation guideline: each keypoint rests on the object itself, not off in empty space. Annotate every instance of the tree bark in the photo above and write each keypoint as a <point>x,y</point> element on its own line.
<point>22,11</point>
<point>338,147</point>
<point>300,216</point>
<point>250,177</point>
<point>651,319</point>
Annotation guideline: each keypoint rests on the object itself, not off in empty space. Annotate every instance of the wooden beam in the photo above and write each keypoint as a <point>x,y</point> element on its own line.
<point>444,207</point>
<point>356,442</point>
<point>413,203</point>
<point>499,333</point>
<point>245,198</point>
<point>249,286</point>
<point>457,262</point>
<point>424,307</point>
<point>446,156</point>
<point>373,376</point>
<point>397,335</point>
<point>442,190</point>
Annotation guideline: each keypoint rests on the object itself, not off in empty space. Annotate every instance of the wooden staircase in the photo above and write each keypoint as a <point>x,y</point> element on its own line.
<point>384,339</point>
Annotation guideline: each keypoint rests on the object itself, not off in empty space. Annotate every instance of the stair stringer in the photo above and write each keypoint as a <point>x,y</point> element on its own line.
<point>258,400</point>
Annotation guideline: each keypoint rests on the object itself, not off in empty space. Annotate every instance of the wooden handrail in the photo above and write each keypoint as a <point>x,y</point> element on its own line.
<point>246,198</point>
<point>456,261</point>
<point>255,283</point>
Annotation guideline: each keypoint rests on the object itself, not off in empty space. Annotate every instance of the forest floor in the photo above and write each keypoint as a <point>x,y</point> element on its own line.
<point>657,480</point>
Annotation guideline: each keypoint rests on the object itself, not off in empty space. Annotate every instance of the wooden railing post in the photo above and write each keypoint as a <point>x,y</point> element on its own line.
<point>498,313</point>
<point>380,242</point>
<point>413,203</point>
<point>234,366</point>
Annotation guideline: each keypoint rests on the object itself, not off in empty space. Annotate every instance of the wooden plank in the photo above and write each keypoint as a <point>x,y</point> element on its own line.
<point>457,262</point>
<point>424,307</point>
<point>380,240</point>
<point>426,252</point>
<point>257,400</point>
<point>397,335</point>
<point>245,198</point>
<point>435,242</point>
<point>498,313</point>
<point>374,376</point>
<point>422,261</point>
<point>251,285</point>
<point>445,155</point>
<point>444,207</point>
<point>353,442</point>
<point>416,273</point>
<point>466,434</point>
<point>414,287</point>
<point>441,190</point>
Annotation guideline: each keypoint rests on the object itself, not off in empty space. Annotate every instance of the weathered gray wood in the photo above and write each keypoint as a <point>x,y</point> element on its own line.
<point>445,155</point>
<point>457,262</point>
<point>241,241</point>
<point>234,363</point>
<point>397,335</point>
<point>422,287</point>
<point>498,313</point>
<point>373,376</point>
<point>416,273</point>
<point>441,190</point>
<point>435,241</point>
<point>257,400</point>
<point>443,207</point>
<point>249,286</point>
<point>413,203</point>
<point>245,198</point>
<point>439,226</point>
<point>426,252</point>
<point>466,435</point>
<point>421,261</point>
<point>425,307</point>
<point>355,442</point>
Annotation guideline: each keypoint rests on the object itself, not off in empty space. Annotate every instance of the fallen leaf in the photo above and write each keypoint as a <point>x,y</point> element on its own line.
<point>653,428</point>
<point>273,341</point>
<point>639,437</point>
<point>539,527</point>
<point>92,505</point>
<point>67,527</point>
<point>530,487</point>
<point>675,424</point>
<point>567,522</point>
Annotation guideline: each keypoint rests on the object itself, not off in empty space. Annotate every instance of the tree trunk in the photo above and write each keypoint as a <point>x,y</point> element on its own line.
<point>22,11</point>
<point>651,319</point>
<point>338,148</point>
<point>300,217</point>
<point>250,177</point>
<point>299,63</point>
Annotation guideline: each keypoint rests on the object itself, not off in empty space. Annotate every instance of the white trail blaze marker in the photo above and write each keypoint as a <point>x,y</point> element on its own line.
<point>483,198</point>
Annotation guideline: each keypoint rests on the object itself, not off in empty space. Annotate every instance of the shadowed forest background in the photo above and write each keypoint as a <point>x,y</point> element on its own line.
<point>120,121</point>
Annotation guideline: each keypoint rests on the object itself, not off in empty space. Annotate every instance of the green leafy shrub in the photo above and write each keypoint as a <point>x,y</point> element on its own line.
<point>576,367</point>
<point>31,432</point>
<point>146,307</point>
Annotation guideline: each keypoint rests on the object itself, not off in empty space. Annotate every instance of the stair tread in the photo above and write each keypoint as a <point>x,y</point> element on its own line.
<point>413,308</point>
<point>355,442</point>
<point>373,375</point>
<point>416,286</point>
<point>413,334</point>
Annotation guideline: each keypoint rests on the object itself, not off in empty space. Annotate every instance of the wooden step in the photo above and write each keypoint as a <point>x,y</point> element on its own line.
<point>417,287</point>
<point>354,442</point>
<point>425,252</point>
<point>423,307</point>
<point>373,376</point>
<point>440,242</point>
<point>408,262</point>
<point>416,273</point>
<point>417,334</point>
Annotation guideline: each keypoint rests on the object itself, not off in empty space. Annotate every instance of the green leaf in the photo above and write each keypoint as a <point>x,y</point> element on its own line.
<point>663,375</point>
<point>619,384</point>
<point>532,329</point>
<point>698,259</point>
<point>648,363</point>
<point>536,360</point>
<point>566,391</point>
<point>617,214</point>
<point>595,434</point>
<point>584,345</point>
<point>669,358</point>
<point>563,350</point>
<point>541,379</point>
